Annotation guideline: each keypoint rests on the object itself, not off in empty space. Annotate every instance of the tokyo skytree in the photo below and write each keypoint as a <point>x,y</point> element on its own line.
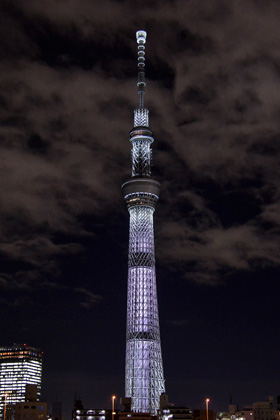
<point>144,382</point>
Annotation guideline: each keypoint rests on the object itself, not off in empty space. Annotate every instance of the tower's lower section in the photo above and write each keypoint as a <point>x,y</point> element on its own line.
<point>144,381</point>
<point>144,370</point>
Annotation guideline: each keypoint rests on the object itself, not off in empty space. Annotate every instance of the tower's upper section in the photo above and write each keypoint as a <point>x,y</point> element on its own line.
<point>141,137</point>
<point>141,189</point>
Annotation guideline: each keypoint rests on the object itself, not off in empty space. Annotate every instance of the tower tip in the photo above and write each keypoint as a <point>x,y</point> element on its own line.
<point>141,41</point>
<point>141,37</point>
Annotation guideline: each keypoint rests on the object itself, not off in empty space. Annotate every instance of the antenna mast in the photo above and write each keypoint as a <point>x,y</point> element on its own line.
<point>141,41</point>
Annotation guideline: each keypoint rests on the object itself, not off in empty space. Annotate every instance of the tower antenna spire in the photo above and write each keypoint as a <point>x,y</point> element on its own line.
<point>141,37</point>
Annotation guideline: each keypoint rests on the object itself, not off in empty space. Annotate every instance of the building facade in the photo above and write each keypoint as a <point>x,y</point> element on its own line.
<point>169,411</point>
<point>144,381</point>
<point>81,413</point>
<point>226,415</point>
<point>264,410</point>
<point>19,365</point>
<point>203,414</point>
<point>248,413</point>
<point>31,409</point>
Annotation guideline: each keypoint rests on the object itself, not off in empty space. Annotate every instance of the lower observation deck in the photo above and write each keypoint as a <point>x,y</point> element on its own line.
<point>141,192</point>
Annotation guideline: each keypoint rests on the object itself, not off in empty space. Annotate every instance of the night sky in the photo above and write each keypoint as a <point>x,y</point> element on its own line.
<point>68,89</point>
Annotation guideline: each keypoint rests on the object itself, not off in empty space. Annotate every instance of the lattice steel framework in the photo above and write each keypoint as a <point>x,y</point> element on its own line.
<point>144,372</point>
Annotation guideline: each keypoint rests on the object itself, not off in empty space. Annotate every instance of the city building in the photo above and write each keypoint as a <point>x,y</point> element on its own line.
<point>144,381</point>
<point>127,414</point>
<point>226,415</point>
<point>19,365</point>
<point>203,414</point>
<point>233,413</point>
<point>248,413</point>
<point>81,413</point>
<point>258,411</point>
<point>264,410</point>
<point>170,411</point>
<point>31,409</point>
<point>180,413</point>
<point>135,416</point>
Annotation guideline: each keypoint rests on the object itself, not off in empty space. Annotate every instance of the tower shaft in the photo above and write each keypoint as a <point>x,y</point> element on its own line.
<point>144,371</point>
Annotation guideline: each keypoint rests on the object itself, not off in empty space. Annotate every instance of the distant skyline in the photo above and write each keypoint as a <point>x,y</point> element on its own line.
<point>68,75</point>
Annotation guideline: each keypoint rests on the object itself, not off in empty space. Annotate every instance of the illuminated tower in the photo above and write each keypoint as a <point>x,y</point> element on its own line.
<point>144,381</point>
<point>19,365</point>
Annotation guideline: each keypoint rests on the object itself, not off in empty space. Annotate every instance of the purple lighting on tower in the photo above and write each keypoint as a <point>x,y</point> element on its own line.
<point>144,380</point>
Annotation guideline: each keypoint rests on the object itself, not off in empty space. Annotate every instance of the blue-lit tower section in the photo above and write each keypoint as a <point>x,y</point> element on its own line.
<point>144,382</point>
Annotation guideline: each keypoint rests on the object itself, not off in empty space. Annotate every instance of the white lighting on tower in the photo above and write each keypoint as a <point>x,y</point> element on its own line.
<point>144,371</point>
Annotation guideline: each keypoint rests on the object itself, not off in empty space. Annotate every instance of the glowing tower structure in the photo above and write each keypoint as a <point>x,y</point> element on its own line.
<point>144,382</point>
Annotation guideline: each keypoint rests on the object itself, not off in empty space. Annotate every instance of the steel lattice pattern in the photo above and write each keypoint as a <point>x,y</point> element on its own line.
<point>144,374</point>
<point>141,117</point>
<point>144,371</point>
<point>141,237</point>
<point>141,158</point>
